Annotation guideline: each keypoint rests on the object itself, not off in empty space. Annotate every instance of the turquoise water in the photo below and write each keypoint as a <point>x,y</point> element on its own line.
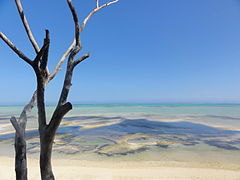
<point>138,131</point>
<point>231,110</point>
<point>164,109</point>
<point>212,114</point>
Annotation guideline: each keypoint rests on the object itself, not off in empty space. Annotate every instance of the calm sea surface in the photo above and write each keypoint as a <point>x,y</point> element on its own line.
<point>172,132</point>
<point>214,114</point>
<point>231,110</point>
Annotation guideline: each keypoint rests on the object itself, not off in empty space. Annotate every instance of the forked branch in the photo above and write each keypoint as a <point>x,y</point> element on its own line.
<point>41,80</point>
<point>58,114</point>
<point>68,51</point>
<point>94,11</point>
<point>16,125</point>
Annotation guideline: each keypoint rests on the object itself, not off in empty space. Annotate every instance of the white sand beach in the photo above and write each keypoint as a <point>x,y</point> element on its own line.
<point>124,170</point>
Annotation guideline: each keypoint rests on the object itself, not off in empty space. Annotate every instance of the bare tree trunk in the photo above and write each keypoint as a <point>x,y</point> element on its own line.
<point>46,143</point>
<point>20,157</point>
<point>20,141</point>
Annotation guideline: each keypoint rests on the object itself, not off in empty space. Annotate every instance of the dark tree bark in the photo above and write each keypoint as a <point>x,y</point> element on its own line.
<point>20,154</point>
<point>45,156</point>
<point>20,142</point>
<point>20,157</point>
<point>39,64</point>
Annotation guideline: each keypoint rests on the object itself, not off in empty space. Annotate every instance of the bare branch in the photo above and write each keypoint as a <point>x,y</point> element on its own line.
<point>93,12</point>
<point>58,114</point>
<point>44,61</point>
<point>26,26</point>
<point>15,125</point>
<point>67,82</point>
<point>65,55</point>
<point>74,51</point>
<point>97,4</point>
<point>76,22</point>
<point>60,62</point>
<point>85,56</point>
<point>43,50</point>
<point>15,49</point>
<point>27,109</point>
<point>77,47</point>
<point>76,41</point>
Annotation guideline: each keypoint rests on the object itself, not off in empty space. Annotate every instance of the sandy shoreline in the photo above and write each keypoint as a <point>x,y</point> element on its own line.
<point>123,170</point>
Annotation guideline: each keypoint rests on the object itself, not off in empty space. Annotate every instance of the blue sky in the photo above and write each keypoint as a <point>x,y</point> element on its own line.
<point>158,51</point>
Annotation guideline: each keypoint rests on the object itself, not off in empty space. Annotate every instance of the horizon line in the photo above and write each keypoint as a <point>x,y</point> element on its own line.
<point>166,103</point>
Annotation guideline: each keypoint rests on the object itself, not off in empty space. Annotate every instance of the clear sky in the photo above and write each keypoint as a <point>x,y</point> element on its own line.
<point>158,51</point>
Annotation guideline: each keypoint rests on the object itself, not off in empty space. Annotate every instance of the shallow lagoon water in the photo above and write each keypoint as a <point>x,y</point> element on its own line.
<point>206,133</point>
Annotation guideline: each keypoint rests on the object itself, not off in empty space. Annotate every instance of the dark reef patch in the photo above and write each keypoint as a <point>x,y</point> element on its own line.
<point>76,139</point>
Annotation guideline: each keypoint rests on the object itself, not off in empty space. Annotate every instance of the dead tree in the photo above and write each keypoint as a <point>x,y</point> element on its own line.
<point>20,124</point>
<point>39,64</point>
